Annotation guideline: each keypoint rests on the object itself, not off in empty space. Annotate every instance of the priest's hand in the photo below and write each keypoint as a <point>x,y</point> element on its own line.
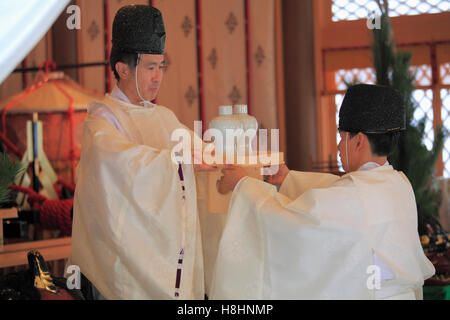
<point>276,174</point>
<point>203,167</point>
<point>231,176</point>
<point>199,165</point>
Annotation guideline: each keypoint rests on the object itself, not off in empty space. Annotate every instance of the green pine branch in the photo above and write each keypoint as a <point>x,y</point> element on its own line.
<point>8,172</point>
<point>412,157</point>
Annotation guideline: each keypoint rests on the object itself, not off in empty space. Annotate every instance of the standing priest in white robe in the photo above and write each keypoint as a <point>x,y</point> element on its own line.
<point>323,236</point>
<point>136,229</point>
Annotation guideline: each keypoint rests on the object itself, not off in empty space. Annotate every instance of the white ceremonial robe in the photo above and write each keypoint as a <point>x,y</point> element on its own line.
<point>212,226</point>
<point>316,238</point>
<point>130,219</point>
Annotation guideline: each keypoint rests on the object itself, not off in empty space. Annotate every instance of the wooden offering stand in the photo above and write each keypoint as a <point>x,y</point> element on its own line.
<point>218,203</point>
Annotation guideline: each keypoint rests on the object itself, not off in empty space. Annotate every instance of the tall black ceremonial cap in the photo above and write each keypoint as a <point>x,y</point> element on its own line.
<point>372,109</point>
<point>139,29</point>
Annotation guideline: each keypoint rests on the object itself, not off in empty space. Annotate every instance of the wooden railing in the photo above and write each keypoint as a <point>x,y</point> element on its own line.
<point>16,254</point>
<point>52,249</point>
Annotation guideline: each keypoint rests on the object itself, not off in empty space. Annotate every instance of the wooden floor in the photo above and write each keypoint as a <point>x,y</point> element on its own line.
<point>52,249</point>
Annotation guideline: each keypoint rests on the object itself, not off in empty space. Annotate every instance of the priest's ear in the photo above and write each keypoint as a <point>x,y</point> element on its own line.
<point>123,70</point>
<point>361,140</point>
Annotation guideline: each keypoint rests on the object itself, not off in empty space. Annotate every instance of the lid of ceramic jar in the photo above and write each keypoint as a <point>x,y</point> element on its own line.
<point>225,110</point>
<point>240,109</point>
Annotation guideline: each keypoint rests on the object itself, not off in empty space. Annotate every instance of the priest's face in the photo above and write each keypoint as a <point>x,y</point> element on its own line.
<point>149,75</point>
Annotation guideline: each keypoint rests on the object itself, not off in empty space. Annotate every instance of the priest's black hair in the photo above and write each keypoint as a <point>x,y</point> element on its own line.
<point>381,144</point>
<point>118,55</point>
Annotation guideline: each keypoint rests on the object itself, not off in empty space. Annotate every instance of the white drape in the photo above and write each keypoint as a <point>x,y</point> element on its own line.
<point>23,23</point>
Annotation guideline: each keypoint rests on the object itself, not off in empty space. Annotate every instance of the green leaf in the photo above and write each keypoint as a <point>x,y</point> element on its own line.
<point>9,170</point>
<point>412,156</point>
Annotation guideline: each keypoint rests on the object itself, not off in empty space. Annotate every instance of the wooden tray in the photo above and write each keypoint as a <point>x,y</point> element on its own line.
<point>218,203</point>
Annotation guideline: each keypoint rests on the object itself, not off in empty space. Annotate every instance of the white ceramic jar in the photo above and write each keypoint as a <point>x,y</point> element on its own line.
<point>240,112</point>
<point>225,121</point>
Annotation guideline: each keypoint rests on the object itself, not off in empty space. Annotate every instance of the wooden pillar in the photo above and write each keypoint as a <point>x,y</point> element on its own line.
<point>300,91</point>
<point>65,44</point>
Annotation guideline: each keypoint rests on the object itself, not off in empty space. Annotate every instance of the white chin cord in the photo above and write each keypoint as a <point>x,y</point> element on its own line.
<point>143,102</point>
<point>346,150</point>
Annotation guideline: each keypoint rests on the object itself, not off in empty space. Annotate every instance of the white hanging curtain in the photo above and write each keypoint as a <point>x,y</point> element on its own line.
<point>23,23</point>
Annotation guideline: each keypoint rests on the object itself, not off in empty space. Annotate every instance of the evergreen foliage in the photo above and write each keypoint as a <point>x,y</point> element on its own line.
<point>412,157</point>
<point>8,173</point>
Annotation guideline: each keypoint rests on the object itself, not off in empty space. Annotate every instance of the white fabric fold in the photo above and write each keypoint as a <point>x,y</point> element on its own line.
<point>320,244</point>
<point>23,24</point>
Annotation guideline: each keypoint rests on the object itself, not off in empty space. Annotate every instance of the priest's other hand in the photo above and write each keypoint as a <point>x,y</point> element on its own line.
<point>231,176</point>
<point>274,176</point>
<point>203,167</point>
<point>199,165</point>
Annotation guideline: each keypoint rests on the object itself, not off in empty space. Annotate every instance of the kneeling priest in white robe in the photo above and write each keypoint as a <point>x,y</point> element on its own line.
<point>323,236</point>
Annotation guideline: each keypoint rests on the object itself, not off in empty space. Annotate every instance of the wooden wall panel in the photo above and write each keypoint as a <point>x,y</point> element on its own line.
<point>64,43</point>
<point>263,104</point>
<point>36,58</point>
<point>91,44</point>
<point>362,58</point>
<point>407,29</point>
<point>279,52</point>
<point>11,85</point>
<point>223,55</point>
<point>179,88</point>
<point>443,53</point>
<point>300,84</point>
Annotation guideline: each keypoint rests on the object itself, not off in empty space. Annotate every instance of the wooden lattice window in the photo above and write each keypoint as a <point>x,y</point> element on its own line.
<point>362,9</point>
<point>445,115</point>
<point>423,97</point>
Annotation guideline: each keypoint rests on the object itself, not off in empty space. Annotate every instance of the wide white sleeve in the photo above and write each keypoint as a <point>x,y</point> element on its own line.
<point>271,250</point>
<point>297,182</point>
<point>102,111</point>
